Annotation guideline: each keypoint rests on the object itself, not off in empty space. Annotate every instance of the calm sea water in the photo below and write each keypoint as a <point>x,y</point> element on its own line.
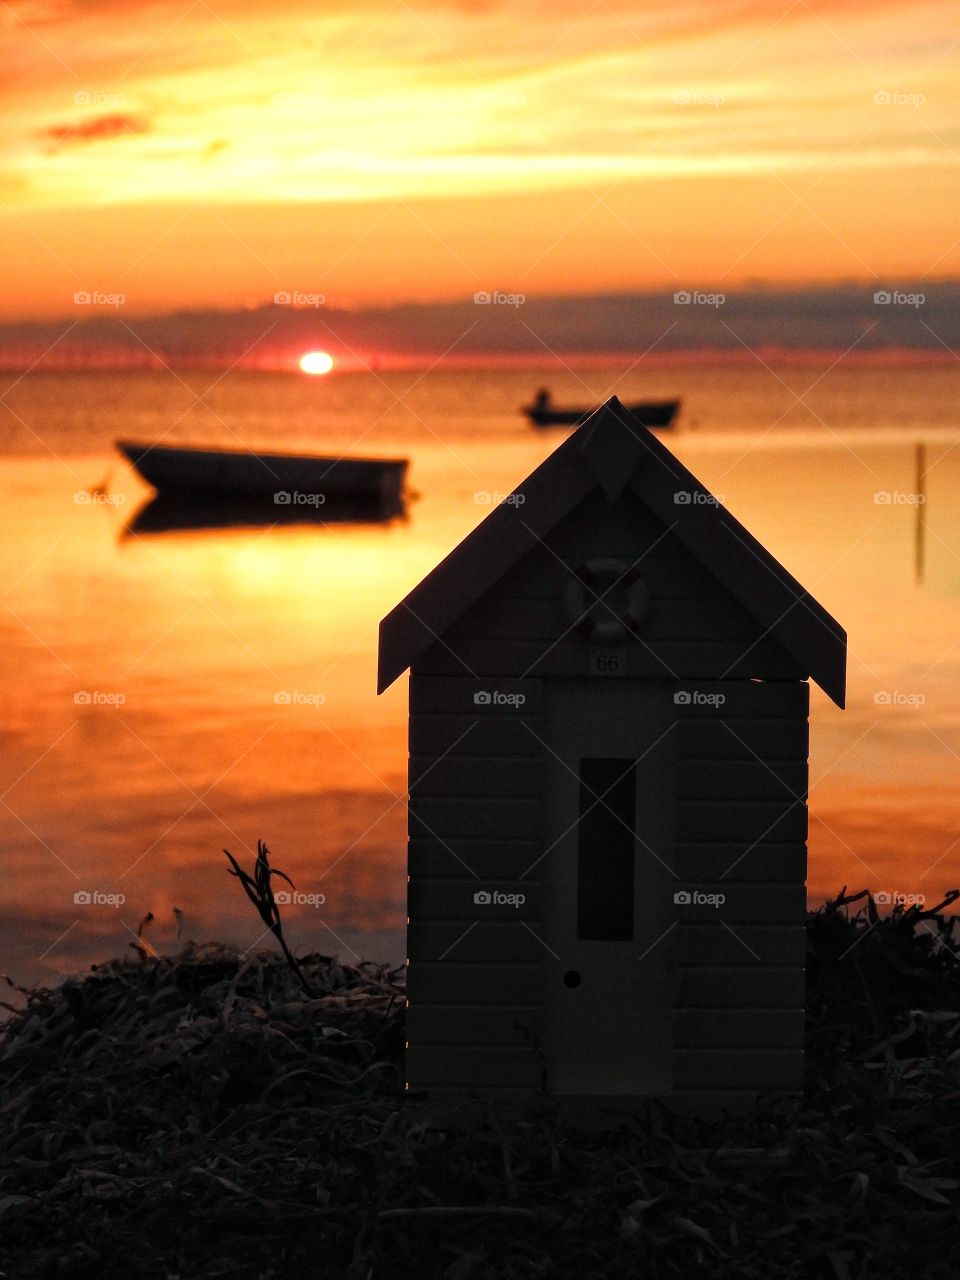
<point>141,728</point>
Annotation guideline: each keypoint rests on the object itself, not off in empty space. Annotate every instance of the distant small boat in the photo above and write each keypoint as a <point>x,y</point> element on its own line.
<point>652,413</point>
<point>289,479</point>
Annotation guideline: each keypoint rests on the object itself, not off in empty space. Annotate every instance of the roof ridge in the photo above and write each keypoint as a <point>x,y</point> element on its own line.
<point>612,445</point>
<point>612,450</point>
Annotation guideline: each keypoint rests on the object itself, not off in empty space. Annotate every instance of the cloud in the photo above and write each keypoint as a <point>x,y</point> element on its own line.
<point>694,15</point>
<point>95,129</point>
<point>836,317</point>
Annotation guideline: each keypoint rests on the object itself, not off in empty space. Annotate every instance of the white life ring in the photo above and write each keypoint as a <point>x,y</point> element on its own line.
<point>605,621</point>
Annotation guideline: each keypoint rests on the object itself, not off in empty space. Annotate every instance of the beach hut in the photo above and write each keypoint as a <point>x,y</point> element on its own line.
<point>607,792</point>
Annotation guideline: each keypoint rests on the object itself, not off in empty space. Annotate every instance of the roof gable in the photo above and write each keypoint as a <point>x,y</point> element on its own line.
<point>610,451</point>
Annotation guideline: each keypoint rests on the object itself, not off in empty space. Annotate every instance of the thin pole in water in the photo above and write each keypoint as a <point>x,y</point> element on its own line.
<point>920,494</point>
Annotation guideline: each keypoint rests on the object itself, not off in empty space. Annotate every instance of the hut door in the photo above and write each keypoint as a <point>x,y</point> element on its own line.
<point>607,895</point>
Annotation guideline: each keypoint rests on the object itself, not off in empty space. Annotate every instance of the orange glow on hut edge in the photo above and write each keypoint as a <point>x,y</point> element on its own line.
<point>316,362</point>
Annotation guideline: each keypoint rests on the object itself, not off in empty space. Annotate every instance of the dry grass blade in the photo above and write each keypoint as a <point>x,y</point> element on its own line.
<point>197,1115</point>
<point>259,890</point>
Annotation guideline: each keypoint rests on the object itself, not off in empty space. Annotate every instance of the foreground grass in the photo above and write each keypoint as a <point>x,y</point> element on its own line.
<point>202,1116</point>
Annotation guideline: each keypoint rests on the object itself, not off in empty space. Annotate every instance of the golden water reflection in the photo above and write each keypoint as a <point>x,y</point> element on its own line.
<point>165,697</point>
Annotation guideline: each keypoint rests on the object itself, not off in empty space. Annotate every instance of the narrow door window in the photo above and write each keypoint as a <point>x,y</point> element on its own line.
<point>605,855</point>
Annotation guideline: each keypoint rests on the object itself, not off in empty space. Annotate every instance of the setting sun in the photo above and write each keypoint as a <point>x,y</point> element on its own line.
<point>316,362</point>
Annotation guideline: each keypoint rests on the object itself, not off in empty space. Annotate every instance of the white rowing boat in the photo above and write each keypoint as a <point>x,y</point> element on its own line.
<point>290,479</point>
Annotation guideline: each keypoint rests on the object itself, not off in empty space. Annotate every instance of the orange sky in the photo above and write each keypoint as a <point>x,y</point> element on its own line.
<point>196,154</point>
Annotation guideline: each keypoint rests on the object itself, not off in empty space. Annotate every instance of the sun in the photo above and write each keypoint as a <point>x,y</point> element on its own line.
<point>316,362</point>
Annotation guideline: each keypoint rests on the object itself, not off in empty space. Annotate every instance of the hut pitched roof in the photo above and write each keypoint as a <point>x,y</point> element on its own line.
<point>612,450</point>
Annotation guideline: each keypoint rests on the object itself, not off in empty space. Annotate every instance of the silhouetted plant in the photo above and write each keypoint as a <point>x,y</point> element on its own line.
<point>195,1114</point>
<point>260,892</point>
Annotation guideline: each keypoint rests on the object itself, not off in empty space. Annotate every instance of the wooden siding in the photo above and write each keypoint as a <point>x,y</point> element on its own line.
<point>466,858</point>
<point>474,1066</point>
<point>491,982</point>
<point>437,1024</point>
<point>488,816</point>
<point>713,1068</point>
<point>741,823</point>
<point>477,773</point>
<point>474,971</point>
<point>470,941</point>
<point>472,654</point>
<point>739,1028</point>
<point>767,861</point>
<point>452,900</point>
<point>452,775</point>
<point>742,946</point>
<point>711,986</point>
<point>471,735</point>
<point>452,1108</point>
